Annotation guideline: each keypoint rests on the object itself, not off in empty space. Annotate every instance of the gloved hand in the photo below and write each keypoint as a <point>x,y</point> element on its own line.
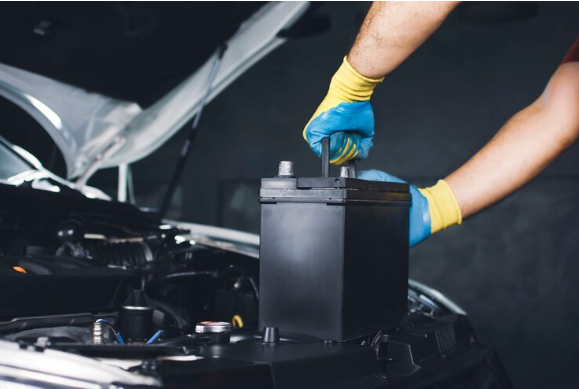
<point>433,209</point>
<point>345,116</point>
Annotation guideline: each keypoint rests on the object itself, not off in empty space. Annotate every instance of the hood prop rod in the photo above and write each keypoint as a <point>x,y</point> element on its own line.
<point>185,150</point>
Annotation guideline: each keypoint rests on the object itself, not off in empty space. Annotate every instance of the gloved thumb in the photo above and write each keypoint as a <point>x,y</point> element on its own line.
<point>378,175</point>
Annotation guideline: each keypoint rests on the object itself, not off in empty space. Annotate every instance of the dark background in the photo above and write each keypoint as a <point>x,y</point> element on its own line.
<point>514,268</point>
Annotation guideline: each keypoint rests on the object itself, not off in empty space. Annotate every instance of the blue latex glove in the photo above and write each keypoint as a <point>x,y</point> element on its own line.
<point>350,127</point>
<point>420,225</point>
<point>345,116</point>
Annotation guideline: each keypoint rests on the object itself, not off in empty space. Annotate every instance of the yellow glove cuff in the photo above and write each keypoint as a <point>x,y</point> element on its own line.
<point>444,210</point>
<point>349,86</point>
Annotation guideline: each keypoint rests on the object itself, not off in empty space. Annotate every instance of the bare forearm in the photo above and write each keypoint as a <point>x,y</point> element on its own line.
<point>523,148</point>
<point>392,31</point>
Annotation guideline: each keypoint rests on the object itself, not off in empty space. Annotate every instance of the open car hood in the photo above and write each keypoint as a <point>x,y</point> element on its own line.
<point>126,101</point>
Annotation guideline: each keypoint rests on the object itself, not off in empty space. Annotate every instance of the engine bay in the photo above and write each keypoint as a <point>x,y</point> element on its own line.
<point>112,287</point>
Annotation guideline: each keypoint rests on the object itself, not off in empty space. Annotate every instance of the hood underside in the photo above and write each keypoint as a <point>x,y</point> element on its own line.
<point>132,51</point>
<point>111,82</point>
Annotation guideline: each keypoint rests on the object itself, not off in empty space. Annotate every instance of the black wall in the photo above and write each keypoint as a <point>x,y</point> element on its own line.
<point>515,267</point>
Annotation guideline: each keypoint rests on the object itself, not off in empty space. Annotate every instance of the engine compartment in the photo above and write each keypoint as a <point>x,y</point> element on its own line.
<point>64,258</point>
<point>106,282</point>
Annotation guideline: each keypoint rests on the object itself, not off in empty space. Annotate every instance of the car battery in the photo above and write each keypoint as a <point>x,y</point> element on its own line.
<point>333,255</point>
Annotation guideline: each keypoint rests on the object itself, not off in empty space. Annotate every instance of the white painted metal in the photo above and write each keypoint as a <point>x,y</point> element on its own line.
<point>256,38</point>
<point>122,183</point>
<point>63,369</point>
<point>438,297</point>
<point>39,177</point>
<point>99,159</point>
<point>217,232</point>
<point>87,126</point>
<point>83,125</point>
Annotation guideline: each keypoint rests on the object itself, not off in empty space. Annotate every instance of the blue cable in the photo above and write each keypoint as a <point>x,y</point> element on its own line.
<point>154,337</point>
<point>115,332</point>
<point>119,338</point>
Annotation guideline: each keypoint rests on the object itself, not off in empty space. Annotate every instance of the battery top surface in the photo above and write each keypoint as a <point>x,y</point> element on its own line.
<point>332,190</point>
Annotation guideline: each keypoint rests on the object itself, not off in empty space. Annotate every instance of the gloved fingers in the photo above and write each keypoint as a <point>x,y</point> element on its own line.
<point>352,118</point>
<point>337,142</point>
<point>334,160</point>
<point>351,155</point>
<point>349,151</point>
<point>365,146</point>
<point>420,223</point>
<point>378,175</point>
<point>345,152</point>
<point>358,140</point>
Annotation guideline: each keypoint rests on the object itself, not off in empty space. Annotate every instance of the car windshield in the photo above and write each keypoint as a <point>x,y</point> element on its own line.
<point>11,164</point>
